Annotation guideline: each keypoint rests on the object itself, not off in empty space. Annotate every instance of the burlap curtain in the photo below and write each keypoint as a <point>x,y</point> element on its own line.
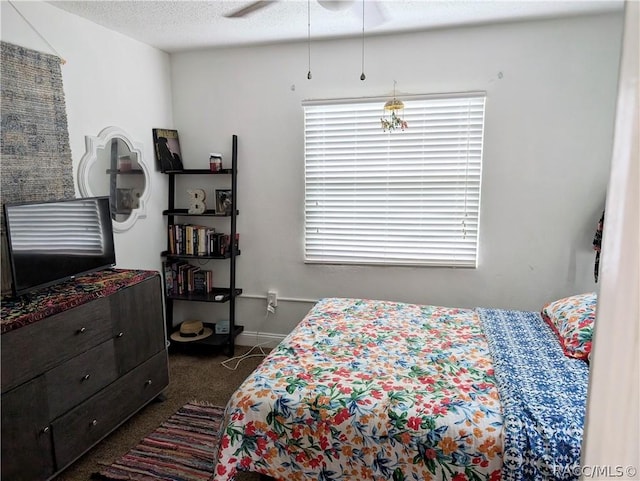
<point>35,159</point>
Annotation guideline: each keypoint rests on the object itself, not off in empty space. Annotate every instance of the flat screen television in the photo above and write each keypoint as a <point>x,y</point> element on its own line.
<point>50,242</point>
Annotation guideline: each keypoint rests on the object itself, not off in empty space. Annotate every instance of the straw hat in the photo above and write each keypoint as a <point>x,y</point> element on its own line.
<point>191,331</point>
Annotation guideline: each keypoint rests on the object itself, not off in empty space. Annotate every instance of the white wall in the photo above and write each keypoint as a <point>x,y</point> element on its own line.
<point>551,90</point>
<point>550,106</point>
<point>108,80</point>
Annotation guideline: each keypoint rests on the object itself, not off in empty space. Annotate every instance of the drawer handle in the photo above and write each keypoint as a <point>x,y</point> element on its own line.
<point>45,430</point>
<point>94,422</point>
<point>86,377</point>
<point>148,382</point>
<point>81,330</point>
<point>120,334</point>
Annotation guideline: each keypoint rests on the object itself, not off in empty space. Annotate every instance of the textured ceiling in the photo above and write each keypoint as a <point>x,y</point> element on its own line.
<point>186,25</point>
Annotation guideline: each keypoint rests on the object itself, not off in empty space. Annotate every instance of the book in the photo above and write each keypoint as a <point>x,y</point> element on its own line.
<point>210,234</point>
<point>202,243</point>
<point>224,244</point>
<point>190,273</point>
<point>167,149</point>
<point>203,282</point>
<point>171,239</point>
<point>172,275</point>
<point>188,231</point>
<point>168,278</point>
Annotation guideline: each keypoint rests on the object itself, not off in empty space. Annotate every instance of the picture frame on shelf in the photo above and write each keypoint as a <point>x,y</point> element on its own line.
<point>224,201</point>
<point>166,145</point>
<point>125,200</point>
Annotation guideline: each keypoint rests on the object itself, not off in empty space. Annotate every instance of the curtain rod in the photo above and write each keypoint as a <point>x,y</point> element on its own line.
<point>356,100</point>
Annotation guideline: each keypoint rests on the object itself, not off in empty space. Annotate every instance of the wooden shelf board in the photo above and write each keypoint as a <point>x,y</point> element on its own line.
<point>206,213</point>
<point>225,291</point>
<point>214,340</point>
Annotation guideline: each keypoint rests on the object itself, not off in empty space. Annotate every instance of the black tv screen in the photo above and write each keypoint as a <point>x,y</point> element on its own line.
<point>50,242</point>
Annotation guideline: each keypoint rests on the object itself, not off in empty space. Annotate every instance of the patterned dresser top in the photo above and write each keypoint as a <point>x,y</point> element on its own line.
<point>42,303</point>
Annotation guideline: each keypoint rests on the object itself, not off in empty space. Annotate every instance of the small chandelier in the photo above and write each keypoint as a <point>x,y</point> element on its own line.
<point>392,114</point>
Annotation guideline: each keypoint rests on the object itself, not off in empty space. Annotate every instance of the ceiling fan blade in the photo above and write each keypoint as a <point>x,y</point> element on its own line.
<point>252,7</point>
<point>336,5</point>
<point>374,12</point>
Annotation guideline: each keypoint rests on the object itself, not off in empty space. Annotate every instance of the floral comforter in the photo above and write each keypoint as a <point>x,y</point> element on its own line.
<point>370,390</point>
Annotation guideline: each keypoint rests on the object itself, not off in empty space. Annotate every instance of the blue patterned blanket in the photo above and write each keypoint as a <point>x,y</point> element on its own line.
<point>543,394</point>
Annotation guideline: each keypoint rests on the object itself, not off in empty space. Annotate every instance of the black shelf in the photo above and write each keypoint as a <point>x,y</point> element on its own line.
<point>214,340</point>
<point>188,256</point>
<point>229,293</point>
<point>185,212</point>
<point>199,172</point>
<point>210,297</point>
<point>125,172</point>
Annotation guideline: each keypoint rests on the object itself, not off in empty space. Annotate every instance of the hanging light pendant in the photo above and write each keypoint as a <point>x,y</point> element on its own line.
<point>362,75</point>
<point>392,114</point>
<point>309,37</point>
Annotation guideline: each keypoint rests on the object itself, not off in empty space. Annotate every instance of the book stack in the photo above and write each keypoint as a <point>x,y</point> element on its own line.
<point>182,278</point>
<point>197,240</point>
<point>225,244</point>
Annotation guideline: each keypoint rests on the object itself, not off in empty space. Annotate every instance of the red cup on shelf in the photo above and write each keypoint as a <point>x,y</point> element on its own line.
<point>124,163</point>
<point>215,162</point>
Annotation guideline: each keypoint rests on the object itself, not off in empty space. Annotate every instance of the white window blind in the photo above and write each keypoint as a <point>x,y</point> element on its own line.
<point>407,197</point>
<point>72,228</point>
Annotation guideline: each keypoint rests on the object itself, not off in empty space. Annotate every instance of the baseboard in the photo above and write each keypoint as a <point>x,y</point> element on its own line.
<point>252,338</point>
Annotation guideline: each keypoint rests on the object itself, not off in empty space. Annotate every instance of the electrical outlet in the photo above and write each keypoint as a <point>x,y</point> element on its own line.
<point>272,299</point>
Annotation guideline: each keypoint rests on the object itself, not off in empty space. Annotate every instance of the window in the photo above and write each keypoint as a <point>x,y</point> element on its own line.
<point>73,228</point>
<point>407,197</point>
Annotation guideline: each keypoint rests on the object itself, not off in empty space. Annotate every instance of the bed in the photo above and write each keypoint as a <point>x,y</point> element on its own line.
<point>376,390</point>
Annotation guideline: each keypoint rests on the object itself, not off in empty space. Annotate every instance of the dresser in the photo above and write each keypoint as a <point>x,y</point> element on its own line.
<point>75,372</point>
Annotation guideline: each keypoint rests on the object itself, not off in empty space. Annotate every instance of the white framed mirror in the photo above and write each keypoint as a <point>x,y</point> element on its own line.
<point>113,165</point>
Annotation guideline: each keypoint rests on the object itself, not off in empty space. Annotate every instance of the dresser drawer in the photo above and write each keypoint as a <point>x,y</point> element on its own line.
<point>138,323</point>
<point>53,340</point>
<point>77,431</point>
<point>27,449</point>
<point>79,378</point>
